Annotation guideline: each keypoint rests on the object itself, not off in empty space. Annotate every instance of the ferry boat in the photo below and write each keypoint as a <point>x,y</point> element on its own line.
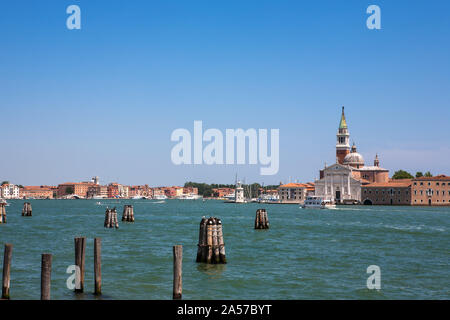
<point>160,197</point>
<point>318,202</point>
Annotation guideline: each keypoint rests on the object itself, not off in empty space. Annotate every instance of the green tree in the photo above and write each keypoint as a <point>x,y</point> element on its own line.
<point>419,174</point>
<point>5,182</point>
<point>401,174</point>
<point>428,174</point>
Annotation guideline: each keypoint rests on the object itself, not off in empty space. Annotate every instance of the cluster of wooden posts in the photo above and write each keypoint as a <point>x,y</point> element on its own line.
<point>2,212</point>
<point>46,269</point>
<point>111,218</point>
<point>261,219</point>
<point>26,211</point>
<point>211,247</point>
<point>128,214</point>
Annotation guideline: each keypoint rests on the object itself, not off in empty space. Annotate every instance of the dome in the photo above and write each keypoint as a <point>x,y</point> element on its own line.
<point>354,159</point>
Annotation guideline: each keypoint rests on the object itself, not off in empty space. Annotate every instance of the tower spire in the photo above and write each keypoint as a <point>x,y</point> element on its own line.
<point>343,123</point>
<point>343,137</point>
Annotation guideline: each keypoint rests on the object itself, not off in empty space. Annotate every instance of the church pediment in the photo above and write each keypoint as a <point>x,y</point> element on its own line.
<point>336,168</point>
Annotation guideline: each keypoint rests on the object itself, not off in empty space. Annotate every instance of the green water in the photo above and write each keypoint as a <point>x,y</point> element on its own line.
<point>306,254</point>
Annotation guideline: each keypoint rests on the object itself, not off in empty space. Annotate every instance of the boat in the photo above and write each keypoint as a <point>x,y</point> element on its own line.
<point>160,197</point>
<point>317,203</point>
<point>138,197</point>
<point>189,197</point>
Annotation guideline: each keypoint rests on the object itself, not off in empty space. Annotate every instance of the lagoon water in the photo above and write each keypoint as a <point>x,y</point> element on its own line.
<point>306,253</point>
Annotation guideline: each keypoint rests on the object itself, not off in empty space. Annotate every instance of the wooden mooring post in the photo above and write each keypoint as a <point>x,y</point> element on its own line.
<point>111,218</point>
<point>6,270</point>
<point>46,272</point>
<point>211,247</point>
<point>80,250</point>
<point>98,265</point>
<point>177,272</point>
<point>261,220</point>
<point>26,211</point>
<point>128,214</point>
<point>2,212</point>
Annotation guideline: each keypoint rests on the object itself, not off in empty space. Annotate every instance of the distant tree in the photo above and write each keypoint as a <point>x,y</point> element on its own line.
<point>20,186</point>
<point>69,190</point>
<point>419,174</point>
<point>5,182</point>
<point>428,174</point>
<point>401,174</point>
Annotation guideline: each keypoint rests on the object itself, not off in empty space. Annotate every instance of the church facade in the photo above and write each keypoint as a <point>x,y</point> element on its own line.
<point>342,181</point>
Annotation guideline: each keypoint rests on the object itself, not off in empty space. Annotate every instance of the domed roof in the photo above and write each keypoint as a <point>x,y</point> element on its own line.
<point>354,158</point>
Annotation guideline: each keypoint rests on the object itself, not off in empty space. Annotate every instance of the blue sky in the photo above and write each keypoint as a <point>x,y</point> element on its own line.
<point>105,99</point>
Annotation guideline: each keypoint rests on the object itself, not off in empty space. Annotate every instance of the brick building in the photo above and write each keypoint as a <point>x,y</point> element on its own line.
<point>37,192</point>
<point>393,192</point>
<point>295,192</point>
<point>431,191</point>
<point>222,192</point>
<point>76,188</point>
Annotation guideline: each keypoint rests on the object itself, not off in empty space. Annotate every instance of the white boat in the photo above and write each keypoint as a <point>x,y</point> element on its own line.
<point>160,197</point>
<point>189,197</point>
<point>318,203</point>
<point>138,197</point>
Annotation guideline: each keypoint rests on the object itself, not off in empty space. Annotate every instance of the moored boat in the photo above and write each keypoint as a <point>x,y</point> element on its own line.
<point>317,203</point>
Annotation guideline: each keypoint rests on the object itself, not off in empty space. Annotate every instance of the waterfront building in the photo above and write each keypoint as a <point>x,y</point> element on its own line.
<point>341,182</point>
<point>222,192</point>
<point>116,190</point>
<point>431,191</point>
<point>79,189</point>
<point>36,192</point>
<point>190,190</point>
<point>9,191</point>
<point>295,192</point>
<point>393,192</point>
<point>140,191</point>
<point>97,191</point>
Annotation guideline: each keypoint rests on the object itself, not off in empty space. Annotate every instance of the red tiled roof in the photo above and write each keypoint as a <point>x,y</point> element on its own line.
<point>441,177</point>
<point>294,185</point>
<point>391,184</point>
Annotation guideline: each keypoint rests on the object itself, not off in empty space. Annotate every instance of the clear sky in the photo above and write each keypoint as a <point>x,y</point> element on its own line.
<point>105,99</point>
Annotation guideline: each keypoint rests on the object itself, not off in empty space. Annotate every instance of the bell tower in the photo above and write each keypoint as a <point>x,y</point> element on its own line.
<point>343,137</point>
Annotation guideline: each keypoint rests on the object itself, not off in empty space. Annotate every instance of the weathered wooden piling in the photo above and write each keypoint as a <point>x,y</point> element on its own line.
<point>26,211</point>
<point>128,213</point>
<point>6,270</point>
<point>201,240</point>
<point>80,250</point>
<point>111,218</point>
<point>222,255</point>
<point>177,272</point>
<point>211,247</point>
<point>98,266</point>
<point>2,212</point>
<point>46,272</point>
<point>261,220</point>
